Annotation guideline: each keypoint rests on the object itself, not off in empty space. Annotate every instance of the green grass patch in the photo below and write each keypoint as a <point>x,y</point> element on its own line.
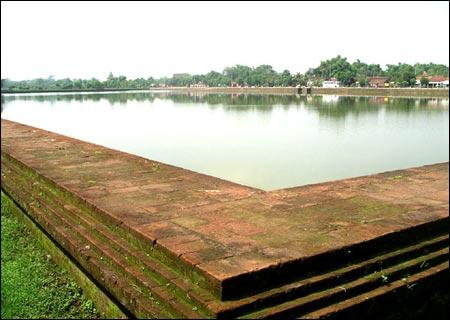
<point>32,285</point>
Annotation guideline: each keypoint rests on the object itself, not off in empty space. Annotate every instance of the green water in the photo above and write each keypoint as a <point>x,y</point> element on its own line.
<point>265,141</point>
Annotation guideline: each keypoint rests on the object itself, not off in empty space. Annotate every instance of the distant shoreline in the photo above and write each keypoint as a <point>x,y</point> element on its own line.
<point>343,91</point>
<point>72,90</point>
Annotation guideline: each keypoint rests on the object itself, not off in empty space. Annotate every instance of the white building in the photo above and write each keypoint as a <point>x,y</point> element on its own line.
<point>332,83</point>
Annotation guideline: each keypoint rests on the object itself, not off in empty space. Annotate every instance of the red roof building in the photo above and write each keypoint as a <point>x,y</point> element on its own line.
<point>377,82</point>
<point>437,81</point>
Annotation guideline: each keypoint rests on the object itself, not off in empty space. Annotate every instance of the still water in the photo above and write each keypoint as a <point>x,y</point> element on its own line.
<point>265,141</point>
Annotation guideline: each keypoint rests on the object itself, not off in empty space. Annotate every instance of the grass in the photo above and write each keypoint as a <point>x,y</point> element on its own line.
<point>32,285</point>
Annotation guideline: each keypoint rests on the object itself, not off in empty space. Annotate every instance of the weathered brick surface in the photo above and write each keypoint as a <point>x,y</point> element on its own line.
<point>241,240</point>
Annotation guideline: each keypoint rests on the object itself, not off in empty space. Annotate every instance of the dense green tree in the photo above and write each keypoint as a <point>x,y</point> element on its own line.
<point>6,84</point>
<point>330,68</point>
<point>337,67</point>
<point>198,78</point>
<point>367,70</point>
<point>77,84</point>
<point>424,82</point>
<point>286,79</point>
<point>265,75</point>
<point>402,74</point>
<point>181,81</point>
<point>239,74</point>
<point>64,84</point>
<point>300,79</point>
<point>346,77</point>
<point>111,81</point>
<point>362,80</point>
<point>216,79</point>
<point>122,82</point>
<point>94,84</point>
<point>431,69</point>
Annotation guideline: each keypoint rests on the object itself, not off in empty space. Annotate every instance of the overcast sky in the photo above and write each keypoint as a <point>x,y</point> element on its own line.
<point>84,40</point>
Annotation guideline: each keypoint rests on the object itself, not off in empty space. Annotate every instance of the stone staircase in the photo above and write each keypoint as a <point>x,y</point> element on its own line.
<point>151,283</point>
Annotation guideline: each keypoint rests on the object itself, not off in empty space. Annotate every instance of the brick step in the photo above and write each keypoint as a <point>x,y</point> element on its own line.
<point>185,290</point>
<point>128,236</point>
<point>283,274</point>
<point>144,280</point>
<point>359,303</point>
<point>335,277</point>
<point>392,257</point>
<point>90,219</point>
<point>162,273</point>
<point>331,296</point>
<point>273,297</point>
<point>253,282</point>
<point>143,261</point>
<point>97,267</point>
<point>48,218</point>
<point>179,301</point>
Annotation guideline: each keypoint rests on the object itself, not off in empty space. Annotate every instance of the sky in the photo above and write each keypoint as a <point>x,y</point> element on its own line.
<point>142,39</point>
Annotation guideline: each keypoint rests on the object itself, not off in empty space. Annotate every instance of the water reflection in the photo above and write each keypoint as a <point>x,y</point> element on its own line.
<point>266,141</point>
<point>112,98</point>
<point>328,105</point>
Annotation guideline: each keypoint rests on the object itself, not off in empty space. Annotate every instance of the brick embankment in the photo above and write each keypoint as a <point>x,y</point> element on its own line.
<point>236,90</point>
<point>72,90</point>
<point>342,91</point>
<point>171,243</point>
<point>384,92</point>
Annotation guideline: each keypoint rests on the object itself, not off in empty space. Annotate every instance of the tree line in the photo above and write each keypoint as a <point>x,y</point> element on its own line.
<point>349,74</point>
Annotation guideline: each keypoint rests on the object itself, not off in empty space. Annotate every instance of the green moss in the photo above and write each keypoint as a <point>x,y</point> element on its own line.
<point>268,239</point>
<point>353,209</point>
<point>190,222</point>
